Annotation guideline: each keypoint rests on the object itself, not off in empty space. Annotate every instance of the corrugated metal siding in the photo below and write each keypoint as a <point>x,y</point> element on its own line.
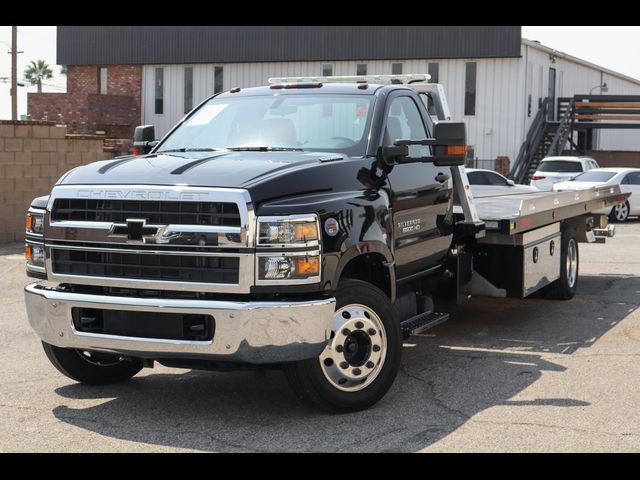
<point>90,45</point>
<point>496,128</point>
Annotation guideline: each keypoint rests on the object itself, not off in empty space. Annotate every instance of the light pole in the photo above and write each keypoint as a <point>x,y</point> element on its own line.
<point>14,71</point>
<point>603,88</point>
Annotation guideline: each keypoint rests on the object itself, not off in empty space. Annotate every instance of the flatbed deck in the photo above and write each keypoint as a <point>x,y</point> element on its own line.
<point>516,213</point>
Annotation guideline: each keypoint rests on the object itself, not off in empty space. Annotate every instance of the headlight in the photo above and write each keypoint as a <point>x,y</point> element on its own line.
<point>305,268</point>
<point>35,222</point>
<point>293,230</point>
<point>35,255</point>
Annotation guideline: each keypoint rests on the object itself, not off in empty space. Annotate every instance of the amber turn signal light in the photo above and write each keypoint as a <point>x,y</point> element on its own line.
<point>28,253</point>
<point>307,265</point>
<point>29,222</point>
<point>455,150</point>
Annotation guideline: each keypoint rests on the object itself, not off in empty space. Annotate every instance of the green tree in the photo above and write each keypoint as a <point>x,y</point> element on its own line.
<point>36,72</point>
<point>63,69</point>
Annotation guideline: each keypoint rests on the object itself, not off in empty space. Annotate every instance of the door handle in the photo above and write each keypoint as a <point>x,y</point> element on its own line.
<point>442,177</point>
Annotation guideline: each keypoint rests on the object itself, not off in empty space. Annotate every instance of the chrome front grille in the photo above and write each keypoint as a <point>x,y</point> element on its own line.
<point>155,212</point>
<point>168,268</point>
<point>170,238</point>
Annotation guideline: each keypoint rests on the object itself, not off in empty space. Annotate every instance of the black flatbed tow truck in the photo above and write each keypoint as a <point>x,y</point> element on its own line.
<point>308,225</point>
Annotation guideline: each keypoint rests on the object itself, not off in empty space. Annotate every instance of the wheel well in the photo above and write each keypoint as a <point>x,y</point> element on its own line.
<point>369,268</point>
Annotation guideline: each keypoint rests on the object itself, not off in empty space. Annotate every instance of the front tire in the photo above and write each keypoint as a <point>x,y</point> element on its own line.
<point>361,360</point>
<point>94,368</point>
<point>565,287</point>
<point>620,213</point>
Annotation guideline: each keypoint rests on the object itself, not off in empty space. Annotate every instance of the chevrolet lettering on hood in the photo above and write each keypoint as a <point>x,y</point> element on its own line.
<point>140,195</point>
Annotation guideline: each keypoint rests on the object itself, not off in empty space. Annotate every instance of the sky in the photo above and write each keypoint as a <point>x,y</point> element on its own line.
<point>616,48</point>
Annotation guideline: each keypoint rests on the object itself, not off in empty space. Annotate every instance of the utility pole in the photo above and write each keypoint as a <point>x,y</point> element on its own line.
<point>14,73</point>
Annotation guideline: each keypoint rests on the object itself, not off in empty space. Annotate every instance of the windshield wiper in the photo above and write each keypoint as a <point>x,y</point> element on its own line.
<point>265,149</point>
<point>186,149</point>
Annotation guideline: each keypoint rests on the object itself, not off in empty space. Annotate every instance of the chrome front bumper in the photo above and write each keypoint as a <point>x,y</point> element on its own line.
<point>246,332</point>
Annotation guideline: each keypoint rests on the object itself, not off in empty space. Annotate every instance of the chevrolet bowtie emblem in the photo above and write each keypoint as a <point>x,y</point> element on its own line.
<point>134,230</point>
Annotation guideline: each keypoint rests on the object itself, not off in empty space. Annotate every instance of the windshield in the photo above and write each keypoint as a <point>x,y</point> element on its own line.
<point>560,166</point>
<point>335,123</point>
<point>592,176</point>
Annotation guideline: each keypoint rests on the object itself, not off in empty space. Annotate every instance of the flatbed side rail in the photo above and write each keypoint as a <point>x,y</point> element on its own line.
<point>511,214</point>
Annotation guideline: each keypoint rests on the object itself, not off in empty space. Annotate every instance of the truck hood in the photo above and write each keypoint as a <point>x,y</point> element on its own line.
<point>207,169</point>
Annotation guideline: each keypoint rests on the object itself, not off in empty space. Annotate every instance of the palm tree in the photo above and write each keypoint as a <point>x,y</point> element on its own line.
<point>36,72</point>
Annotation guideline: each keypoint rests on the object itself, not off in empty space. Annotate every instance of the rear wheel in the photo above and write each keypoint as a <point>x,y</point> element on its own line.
<point>88,366</point>
<point>565,287</point>
<point>620,213</point>
<point>362,358</point>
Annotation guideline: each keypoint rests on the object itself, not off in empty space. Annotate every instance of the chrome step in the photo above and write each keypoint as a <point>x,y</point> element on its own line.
<point>422,322</point>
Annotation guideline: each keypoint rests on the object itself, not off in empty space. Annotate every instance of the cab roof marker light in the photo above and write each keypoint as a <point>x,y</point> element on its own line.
<point>382,79</point>
<point>279,86</point>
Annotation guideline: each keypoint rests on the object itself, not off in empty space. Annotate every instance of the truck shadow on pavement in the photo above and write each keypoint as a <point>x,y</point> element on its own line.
<point>489,352</point>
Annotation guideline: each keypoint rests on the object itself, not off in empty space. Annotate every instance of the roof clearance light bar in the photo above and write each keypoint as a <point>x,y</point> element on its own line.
<point>380,79</point>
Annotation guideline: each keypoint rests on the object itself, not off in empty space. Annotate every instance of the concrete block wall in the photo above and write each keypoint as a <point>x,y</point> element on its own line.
<point>33,156</point>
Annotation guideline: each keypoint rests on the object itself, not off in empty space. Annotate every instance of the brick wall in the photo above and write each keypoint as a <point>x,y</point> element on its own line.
<point>86,111</point>
<point>82,78</point>
<point>33,156</point>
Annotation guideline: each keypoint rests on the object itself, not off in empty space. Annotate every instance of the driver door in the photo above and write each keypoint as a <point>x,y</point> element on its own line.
<point>419,191</point>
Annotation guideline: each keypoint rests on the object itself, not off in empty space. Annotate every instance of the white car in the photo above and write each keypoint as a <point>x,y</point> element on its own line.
<point>627,178</point>
<point>487,182</point>
<point>559,169</point>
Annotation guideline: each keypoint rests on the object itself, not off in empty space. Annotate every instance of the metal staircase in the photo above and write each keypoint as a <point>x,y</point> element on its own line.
<point>545,138</point>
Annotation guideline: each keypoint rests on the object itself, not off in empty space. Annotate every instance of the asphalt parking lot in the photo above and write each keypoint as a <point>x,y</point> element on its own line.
<point>501,375</point>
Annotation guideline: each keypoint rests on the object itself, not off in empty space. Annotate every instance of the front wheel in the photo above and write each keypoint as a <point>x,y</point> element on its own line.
<point>94,368</point>
<point>362,358</point>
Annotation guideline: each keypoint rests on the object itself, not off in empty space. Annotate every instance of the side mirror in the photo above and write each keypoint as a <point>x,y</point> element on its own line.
<point>511,183</point>
<point>144,139</point>
<point>450,143</point>
<point>392,154</point>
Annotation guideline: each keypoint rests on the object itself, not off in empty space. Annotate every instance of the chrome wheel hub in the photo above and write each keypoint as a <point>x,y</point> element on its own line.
<point>357,350</point>
<point>572,263</point>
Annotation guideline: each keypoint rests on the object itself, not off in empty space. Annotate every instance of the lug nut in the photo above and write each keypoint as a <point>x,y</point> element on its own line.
<point>370,364</point>
<point>339,349</point>
<point>344,365</point>
<point>371,331</point>
<point>356,371</point>
<point>359,325</point>
<point>342,381</point>
<point>346,331</point>
<point>346,315</point>
<point>376,348</point>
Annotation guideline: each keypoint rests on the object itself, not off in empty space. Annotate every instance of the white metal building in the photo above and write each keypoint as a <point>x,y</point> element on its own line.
<point>507,90</point>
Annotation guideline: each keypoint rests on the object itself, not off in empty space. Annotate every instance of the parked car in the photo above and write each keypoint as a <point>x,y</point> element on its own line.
<point>488,182</point>
<point>559,169</point>
<point>627,178</point>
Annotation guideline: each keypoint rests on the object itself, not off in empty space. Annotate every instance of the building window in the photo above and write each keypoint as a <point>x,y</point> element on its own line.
<point>188,89</point>
<point>159,91</point>
<point>433,70</point>
<point>327,69</point>
<point>102,80</point>
<point>470,88</point>
<point>218,81</point>
<point>396,69</point>
<point>361,69</point>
